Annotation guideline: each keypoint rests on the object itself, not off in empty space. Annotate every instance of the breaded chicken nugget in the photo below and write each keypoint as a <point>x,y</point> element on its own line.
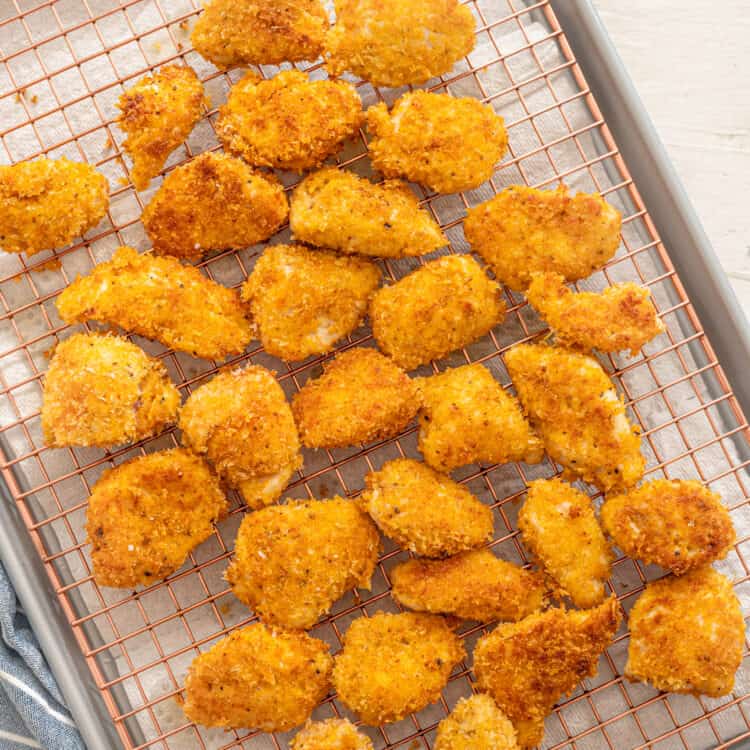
<point>45,203</point>
<point>289,121</point>
<point>360,397</point>
<point>331,734</point>
<point>476,723</point>
<point>687,634</point>
<point>146,515</point>
<point>522,230</point>
<point>158,114</point>
<point>338,209</point>
<point>529,665</point>
<point>677,524</point>
<point>160,299</point>
<point>241,421</point>
<point>214,202</point>
<point>393,665</point>
<point>448,144</point>
<point>303,301</point>
<point>444,305</point>
<point>397,42</point>
<point>573,404</point>
<point>423,511</point>
<point>260,678</point>
<point>467,417</point>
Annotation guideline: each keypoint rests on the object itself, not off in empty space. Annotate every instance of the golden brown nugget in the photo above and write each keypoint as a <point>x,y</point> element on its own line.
<point>522,230</point>
<point>158,114</point>
<point>46,203</point>
<point>302,301</point>
<point>393,665</point>
<point>241,421</point>
<point>258,678</point>
<point>397,42</point>
<point>161,299</point>
<point>467,417</point>
<point>337,209</point>
<point>526,667</point>
<point>146,515</point>
<point>678,524</point>
<point>574,406</point>
<point>476,723</point>
<point>423,511</point>
<point>214,202</point>
<point>446,143</point>
<point>360,397</point>
<point>442,306</point>
<point>687,634</point>
<point>331,734</point>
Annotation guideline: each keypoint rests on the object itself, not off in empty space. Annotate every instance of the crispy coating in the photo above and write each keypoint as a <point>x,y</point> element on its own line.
<point>45,203</point>
<point>331,734</point>
<point>303,301</point>
<point>103,391</point>
<point>423,511</point>
<point>573,404</point>
<point>360,397</point>
<point>146,515</point>
<point>393,665</point>
<point>528,666</point>
<point>258,677</point>
<point>467,417</point>
<point>522,230</point>
<point>476,723</point>
<point>335,208</point>
<point>687,634</point>
<point>214,202</point>
<point>444,305</point>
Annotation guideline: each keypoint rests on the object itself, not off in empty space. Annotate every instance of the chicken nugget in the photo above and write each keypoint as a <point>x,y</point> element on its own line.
<point>574,406</point>
<point>476,723</point>
<point>158,114</point>
<point>467,417</point>
<point>146,515</point>
<point>258,677</point>
<point>214,202</point>
<point>528,666</point>
<point>161,299</point>
<point>522,230</point>
<point>687,634</point>
<point>331,734</point>
<point>394,665</point>
<point>241,421</point>
<point>398,42</point>
<point>46,203</point>
<point>335,208</point>
<point>360,397</point>
<point>303,301</point>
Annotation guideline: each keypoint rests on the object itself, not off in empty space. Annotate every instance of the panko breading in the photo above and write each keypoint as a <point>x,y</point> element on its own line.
<point>161,299</point>
<point>573,404</point>
<point>214,202</point>
<point>442,306</point>
<point>289,121</point>
<point>260,678</point>
<point>522,230</point>
<point>146,515</point>
<point>529,665</point>
<point>476,723</point>
<point>445,143</point>
<point>293,561</point>
<point>467,417</point>
<point>398,42</point>
<point>303,301</point>
<point>393,665</point>
<point>331,734</point>
<point>158,114</point>
<point>45,203</point>
<point>241,421</point>
<point>360,397</point>
<point>677,524</point>
<point>687,634</point>
<point>423,511</point>
<point>335,208</point>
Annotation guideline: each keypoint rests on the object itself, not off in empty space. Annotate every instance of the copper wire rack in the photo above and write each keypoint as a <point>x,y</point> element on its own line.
<point>63,64</point>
